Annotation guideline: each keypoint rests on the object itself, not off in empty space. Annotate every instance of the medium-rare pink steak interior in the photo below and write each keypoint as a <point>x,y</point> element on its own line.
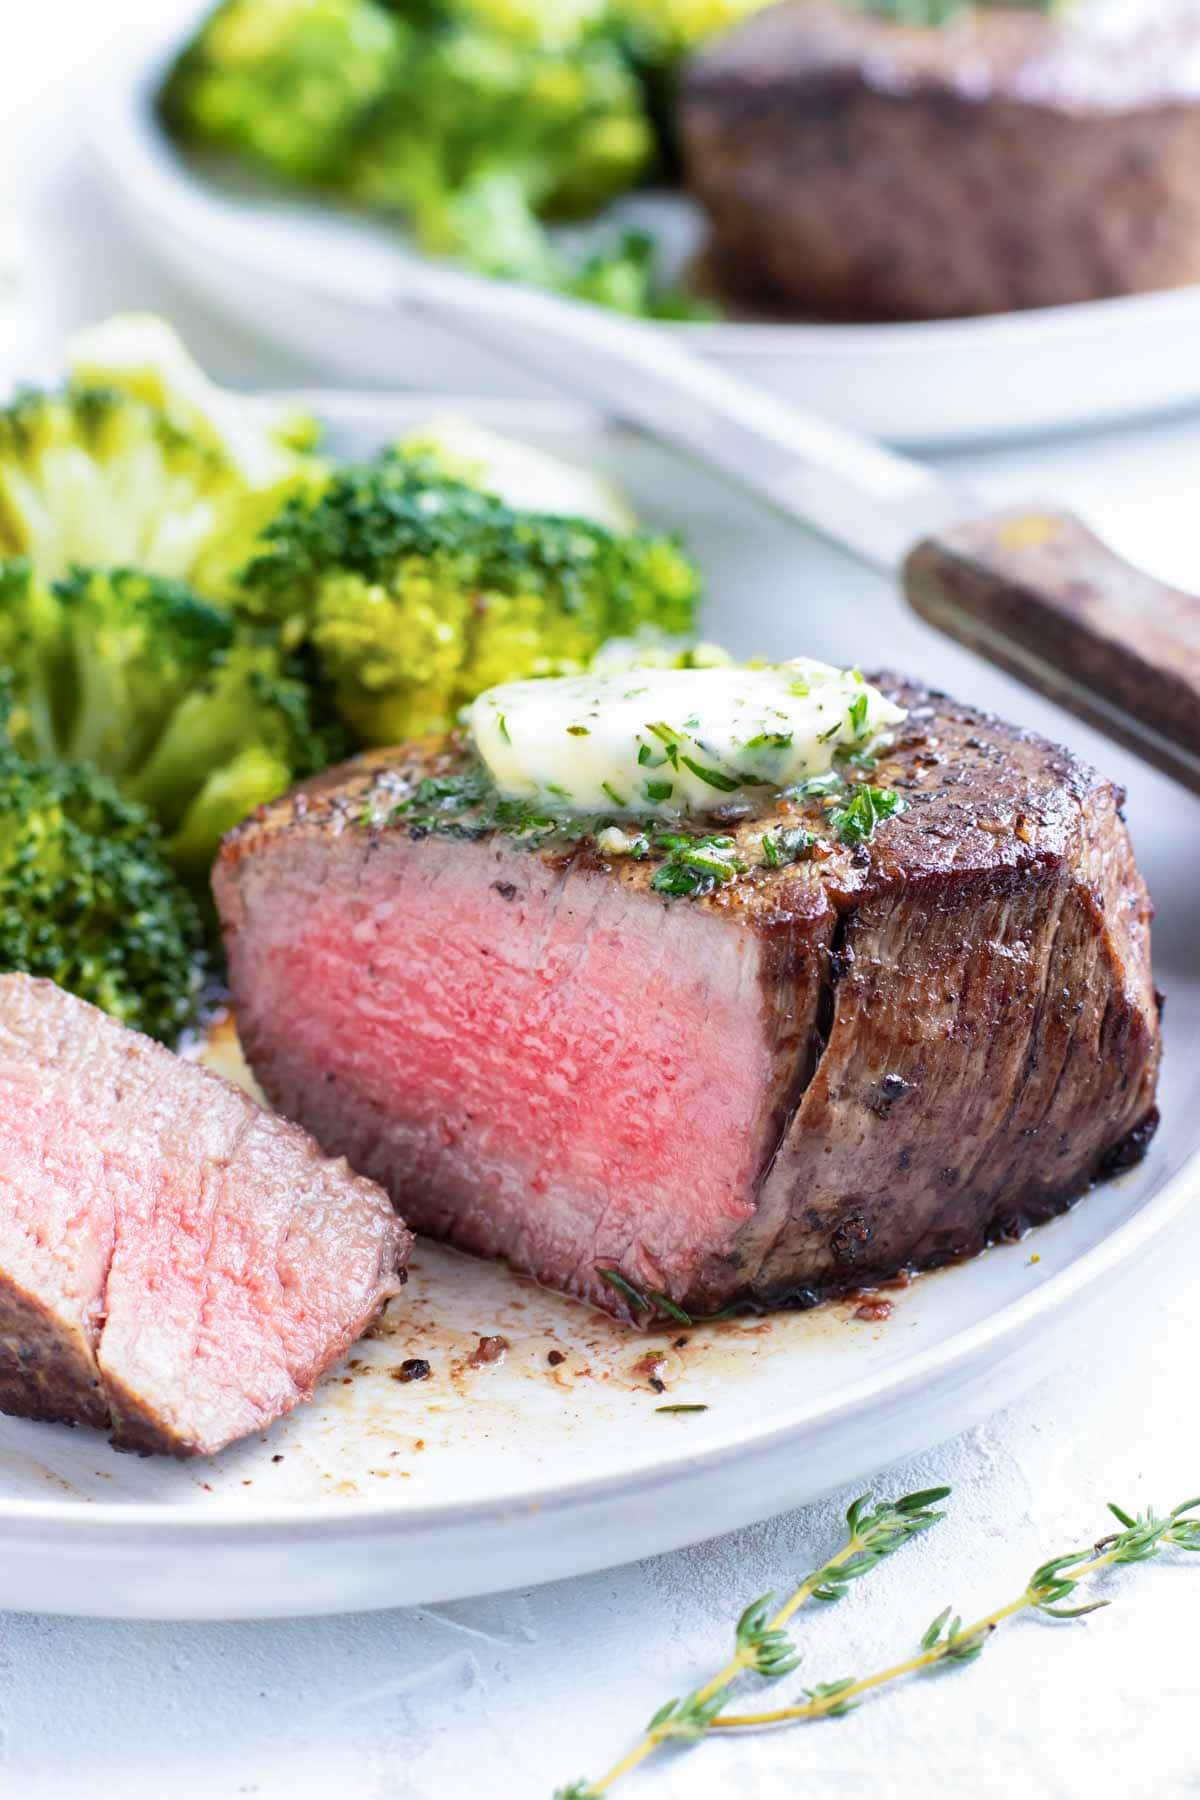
<point>857,1057</point>
<point>175,1263</point>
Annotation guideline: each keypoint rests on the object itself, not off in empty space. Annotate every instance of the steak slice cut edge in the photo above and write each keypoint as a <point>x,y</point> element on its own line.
<point>175,1263</point>
<point>879,1057</point>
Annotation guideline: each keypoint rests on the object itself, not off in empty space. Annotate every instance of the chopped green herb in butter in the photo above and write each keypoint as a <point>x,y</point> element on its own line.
<point>725,736</point>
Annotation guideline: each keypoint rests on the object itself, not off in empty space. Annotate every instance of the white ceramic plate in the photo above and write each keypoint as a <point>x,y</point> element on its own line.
<point>501,1476</point>
<point>312,277</point>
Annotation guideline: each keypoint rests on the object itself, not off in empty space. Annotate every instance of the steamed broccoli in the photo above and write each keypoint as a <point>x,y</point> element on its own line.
<point>414,591</point>
<point>552,24</point>
<point>134,646</point>
<point>89,475</point>
<point>284,81</point>
<point>476,119</point>
<point>31,658</point>
<point>482,136</point>
<point>88,899</point>
<point>141,462</point>
<point>192,713</point>
<point>659,33</point>
<point>365,617</point>
<point>255,726</point>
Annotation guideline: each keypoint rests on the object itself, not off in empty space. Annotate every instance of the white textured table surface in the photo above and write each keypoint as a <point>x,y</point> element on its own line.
<point>506,1697</point>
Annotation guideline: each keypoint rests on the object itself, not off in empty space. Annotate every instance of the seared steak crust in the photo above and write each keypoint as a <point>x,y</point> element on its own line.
<point>854,166</point>
<point>879,1057</point>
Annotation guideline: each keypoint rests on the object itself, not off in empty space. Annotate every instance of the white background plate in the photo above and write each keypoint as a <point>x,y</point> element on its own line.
<point>312,277</point>
<point>490,1478</point>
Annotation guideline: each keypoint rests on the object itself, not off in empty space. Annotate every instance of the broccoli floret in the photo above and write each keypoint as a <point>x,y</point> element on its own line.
<point>136,645</point>
<point>415,591</point>
<point>250,779</point>
<point>477,120</point>
<point>626,276</point>
<point>194,713</point>
<point>91,476</point>
<point>141,462</point>
<point>283,81</point>
<point>550,24</point>
<point>88,898</point>
<point>252,728</point>
<point>32,652</point>
<point>481,136</point>
<point>659,33</point>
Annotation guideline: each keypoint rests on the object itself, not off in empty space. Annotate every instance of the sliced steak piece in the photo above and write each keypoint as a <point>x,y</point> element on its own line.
<point>876,1057</point>
<point>174,1262</point>
<point>1008,159</point>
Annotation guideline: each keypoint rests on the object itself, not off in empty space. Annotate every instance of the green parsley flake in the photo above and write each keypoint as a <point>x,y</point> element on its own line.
<point>727,784</point>
<point>856,821</point>
<point>782,847</point>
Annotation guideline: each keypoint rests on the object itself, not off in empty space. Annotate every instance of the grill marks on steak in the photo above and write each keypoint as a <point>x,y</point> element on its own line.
<point>860,167</point>
<point>875,1059</point>
<point>174,1261</point>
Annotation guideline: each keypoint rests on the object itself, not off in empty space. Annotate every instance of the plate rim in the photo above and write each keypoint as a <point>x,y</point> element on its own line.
<point>318,1520</point>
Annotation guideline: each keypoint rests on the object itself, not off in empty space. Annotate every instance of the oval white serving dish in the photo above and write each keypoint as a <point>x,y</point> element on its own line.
<point>316,279</point>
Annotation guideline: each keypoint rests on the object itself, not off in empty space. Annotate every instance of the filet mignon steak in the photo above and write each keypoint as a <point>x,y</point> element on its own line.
<point>876,1057</point>
<point>176,1264</point>
<point>850,165</point>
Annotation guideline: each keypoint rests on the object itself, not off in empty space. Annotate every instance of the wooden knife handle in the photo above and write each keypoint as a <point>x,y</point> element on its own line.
<point>1038,593</point>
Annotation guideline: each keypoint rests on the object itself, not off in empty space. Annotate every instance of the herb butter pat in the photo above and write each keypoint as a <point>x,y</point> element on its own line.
<point>669,742</point>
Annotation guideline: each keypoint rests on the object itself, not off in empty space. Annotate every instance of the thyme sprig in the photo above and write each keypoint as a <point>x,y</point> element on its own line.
<point>650,1301</point>
<point>763,1645</point>
<point>948,1640</point>
<point>761,1642</point>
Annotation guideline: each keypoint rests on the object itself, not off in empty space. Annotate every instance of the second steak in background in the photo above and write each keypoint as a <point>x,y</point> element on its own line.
<point>853,166</point>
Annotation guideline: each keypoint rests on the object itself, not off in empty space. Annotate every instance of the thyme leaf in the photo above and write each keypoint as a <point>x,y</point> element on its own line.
<point>650,1301</point>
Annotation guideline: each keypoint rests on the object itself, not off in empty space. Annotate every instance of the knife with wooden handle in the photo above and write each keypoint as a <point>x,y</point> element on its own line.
<point>1035,591</point>
<point>1032,589</point>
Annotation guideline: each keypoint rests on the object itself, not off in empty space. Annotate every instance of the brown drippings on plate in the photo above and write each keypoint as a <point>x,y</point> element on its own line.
<point>651,1368</point>
<point>488,1350</point>
<point>415,1368</point>
<point>873,1307</point>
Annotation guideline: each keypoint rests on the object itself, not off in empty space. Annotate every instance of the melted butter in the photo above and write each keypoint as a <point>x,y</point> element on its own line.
<point>668,742</point>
